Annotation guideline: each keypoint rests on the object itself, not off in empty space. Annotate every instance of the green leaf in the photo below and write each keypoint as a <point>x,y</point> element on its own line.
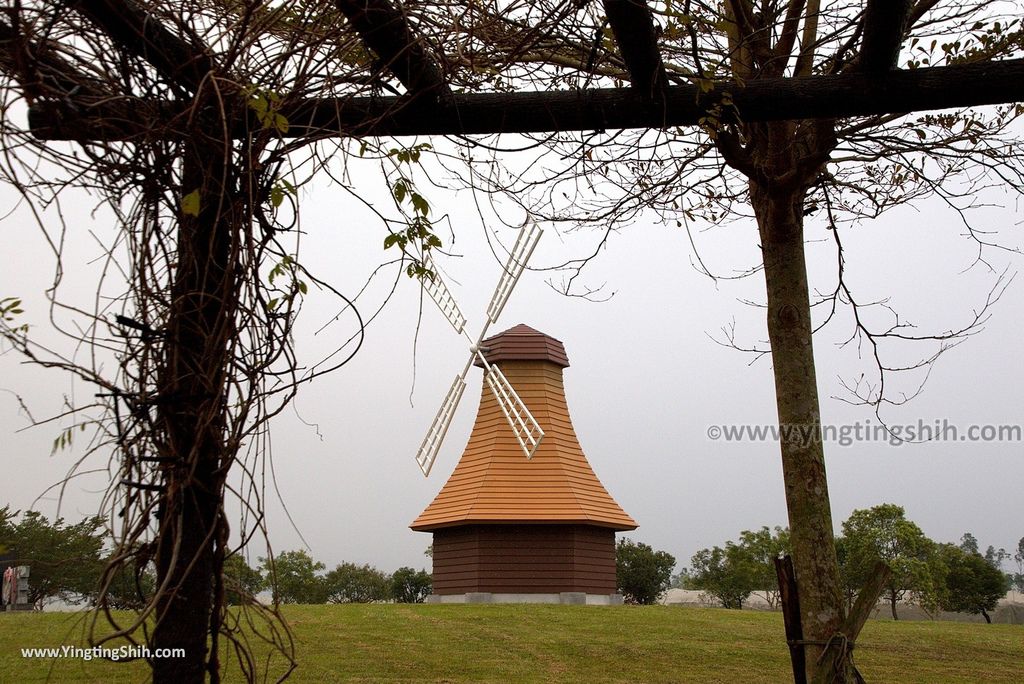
<point>272,304</point>
<point>420,205</point>
<point>190,203</point>
<point>281,123</point>
<point>276,196</point>
<point>390,240</point>
<point>259,104</point>
<point>400,190</point>
<point>302,287</point>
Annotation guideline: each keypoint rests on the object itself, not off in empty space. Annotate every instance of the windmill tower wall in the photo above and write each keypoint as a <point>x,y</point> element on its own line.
<point>510,529</point>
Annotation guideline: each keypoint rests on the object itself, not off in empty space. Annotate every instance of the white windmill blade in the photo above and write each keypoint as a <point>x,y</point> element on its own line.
<point>526,429</point>
<point>439,292</point>
<point>524,426</point>
<point>514,267</point>
<point>439,428</point>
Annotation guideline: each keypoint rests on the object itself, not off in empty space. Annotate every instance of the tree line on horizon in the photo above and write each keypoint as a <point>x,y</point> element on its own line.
<point>67,564</point>
<point>937,576</point>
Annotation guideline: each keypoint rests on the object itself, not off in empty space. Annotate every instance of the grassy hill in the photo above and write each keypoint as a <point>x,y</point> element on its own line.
<point>403,643</point>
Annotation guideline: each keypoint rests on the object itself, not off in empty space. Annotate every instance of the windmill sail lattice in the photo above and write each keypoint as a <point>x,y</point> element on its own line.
<point>439,428</point>
<point>514,267</point>
<point>438,291</point>
<point>526,429</point>
<point>528,433</point>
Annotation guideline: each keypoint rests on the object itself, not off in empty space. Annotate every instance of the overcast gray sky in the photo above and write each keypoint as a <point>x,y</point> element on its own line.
<point>645,384</point>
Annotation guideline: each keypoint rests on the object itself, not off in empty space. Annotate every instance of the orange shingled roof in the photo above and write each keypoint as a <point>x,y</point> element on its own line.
<point>494,482</point>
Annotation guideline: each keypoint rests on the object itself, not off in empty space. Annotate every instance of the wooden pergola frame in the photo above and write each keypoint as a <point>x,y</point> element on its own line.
<point>430,108</point>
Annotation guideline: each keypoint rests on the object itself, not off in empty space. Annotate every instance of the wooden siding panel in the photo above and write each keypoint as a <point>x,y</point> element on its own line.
<point>524,559</point>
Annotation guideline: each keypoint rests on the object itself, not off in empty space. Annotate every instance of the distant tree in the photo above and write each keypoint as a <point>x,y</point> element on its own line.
<point>410,586</point>
<point>729,575</point>
<point>762,548</point>
<point>849,582</point>
<point>972,584</point>
<point>64,559</point>
<point>1018,577</point>
<point>969,543</point>
<point>429,551</point>
<point>294,577</point>
<point>131,587</point>
<point>241,582</point>
<point>641,573</point>
<point>6,529</point>
<point>995,557</point>
<point>683,580</point>
<point>884,533</point>
<point>351,583</point>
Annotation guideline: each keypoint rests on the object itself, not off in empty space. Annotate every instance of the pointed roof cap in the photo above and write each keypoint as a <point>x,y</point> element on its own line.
<point>523,343</point>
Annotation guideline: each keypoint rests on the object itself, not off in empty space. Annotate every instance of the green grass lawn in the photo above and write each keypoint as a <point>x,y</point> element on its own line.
<point>406,643</point>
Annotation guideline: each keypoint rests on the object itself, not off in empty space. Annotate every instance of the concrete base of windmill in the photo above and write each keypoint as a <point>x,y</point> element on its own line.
<point>577,598</point>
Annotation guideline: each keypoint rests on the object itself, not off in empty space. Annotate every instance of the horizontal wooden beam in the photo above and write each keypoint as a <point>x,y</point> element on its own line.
<point>815,97</point>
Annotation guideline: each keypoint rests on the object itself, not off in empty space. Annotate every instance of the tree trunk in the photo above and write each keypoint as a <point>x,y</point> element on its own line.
<point>892,605</point>
<point>192,395</point>
<point>779,215</point>
<point>985,615</point>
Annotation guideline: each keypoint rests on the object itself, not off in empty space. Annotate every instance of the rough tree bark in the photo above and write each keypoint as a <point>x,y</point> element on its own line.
<point>786,159</point>
<point>780,224</point>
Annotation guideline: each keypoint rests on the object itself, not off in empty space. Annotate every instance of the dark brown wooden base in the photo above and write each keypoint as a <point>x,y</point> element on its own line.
<point>524,559</point>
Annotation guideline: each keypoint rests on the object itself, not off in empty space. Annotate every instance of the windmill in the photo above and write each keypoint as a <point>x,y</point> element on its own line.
<point>526,429</point>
